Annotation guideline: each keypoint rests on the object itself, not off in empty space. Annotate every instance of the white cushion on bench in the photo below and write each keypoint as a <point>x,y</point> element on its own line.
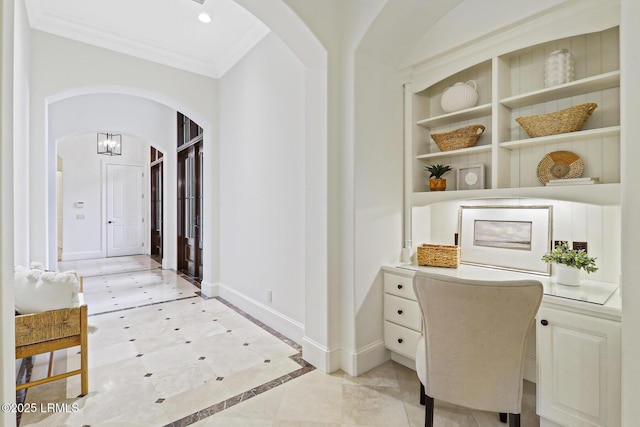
<point>37,290</point>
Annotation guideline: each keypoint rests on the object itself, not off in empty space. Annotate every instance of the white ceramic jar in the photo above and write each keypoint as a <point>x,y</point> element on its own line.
<point>558,68</point>
<point>459,96</point>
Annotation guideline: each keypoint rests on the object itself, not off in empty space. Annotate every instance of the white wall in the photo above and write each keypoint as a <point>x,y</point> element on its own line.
<point>142,122</point>
<point>597,225</point>
<point>630,153</point>
<point>262,184</point>
<point>57,74</point>
<point>378,197</point>
<point>7,115</point>
<point>83,174</point>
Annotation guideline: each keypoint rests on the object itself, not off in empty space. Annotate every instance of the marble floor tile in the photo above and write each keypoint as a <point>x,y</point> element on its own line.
<point>162,355</point>
<point>158,351</point>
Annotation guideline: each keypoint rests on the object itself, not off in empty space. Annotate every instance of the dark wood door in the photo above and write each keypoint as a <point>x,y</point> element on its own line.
<point>156,210</point>
<point>190,209</point>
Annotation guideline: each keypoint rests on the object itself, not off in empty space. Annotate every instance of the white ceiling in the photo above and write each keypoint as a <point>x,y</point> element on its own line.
<point>163,31</point>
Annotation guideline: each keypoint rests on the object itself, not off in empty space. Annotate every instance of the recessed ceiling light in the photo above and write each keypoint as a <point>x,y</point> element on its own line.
<point>204,17</point>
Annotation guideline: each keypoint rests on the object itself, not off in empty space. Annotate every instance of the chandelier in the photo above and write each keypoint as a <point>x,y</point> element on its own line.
<point>110,144</point>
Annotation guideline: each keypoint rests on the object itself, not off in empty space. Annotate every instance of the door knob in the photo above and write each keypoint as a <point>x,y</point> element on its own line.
<point>544,322</point>
<point>110,222</point>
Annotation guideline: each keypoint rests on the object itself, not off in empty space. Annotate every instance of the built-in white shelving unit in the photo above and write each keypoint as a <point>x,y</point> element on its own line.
<point>510,86</point>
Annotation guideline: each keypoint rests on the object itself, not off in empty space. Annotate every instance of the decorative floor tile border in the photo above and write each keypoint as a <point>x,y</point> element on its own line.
<point>305,367</point>
<point>239,398</point>
<point>216,408</point>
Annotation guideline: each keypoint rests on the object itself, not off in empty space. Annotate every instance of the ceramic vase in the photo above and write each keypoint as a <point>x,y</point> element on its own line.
<point>569,276</point>
<point>459,96</point>
<point>558,68</point>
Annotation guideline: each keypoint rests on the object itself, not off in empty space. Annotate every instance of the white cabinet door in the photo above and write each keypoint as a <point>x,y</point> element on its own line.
<point>578,369</point>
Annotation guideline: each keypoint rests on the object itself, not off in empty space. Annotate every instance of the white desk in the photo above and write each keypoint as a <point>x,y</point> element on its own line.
<point>574,357</point>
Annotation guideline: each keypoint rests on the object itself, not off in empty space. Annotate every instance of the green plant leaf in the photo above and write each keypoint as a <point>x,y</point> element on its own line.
<point>577,258</point>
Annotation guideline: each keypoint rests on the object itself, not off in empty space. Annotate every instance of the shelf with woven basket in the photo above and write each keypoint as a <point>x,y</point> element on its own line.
<point>457,116</point>
<point>521,112</point>
<point>455,153</point>
<point>577,87</point>
<point>583,135</point>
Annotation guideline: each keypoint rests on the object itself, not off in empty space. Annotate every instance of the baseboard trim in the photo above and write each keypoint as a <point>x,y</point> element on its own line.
<point>354,363</point>
<point>320,356</point>
<point>209,289</point>
<point>169,265</point>
<point>288,327</point>
<point>75,256</point>
<point>403,360</point>
<point>530,370</point>
<point>364,359</point>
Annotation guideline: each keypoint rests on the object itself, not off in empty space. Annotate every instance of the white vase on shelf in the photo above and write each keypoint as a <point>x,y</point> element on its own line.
<point>558,68</point>
<point>459,96</point>
<point>569,276</point>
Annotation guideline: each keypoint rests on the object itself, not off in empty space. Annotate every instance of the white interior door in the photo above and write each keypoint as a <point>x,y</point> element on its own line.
<point>124,210</point>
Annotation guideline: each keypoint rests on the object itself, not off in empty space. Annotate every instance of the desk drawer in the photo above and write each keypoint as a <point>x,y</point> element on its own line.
<point>401,286</point>
<point>402,311</point>
<point>401,340</point>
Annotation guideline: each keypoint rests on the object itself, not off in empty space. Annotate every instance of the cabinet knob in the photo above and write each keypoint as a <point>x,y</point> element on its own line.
<point>544,322</point>
<point>399,286</point>
<point>400,340</point>
<point>399,311</point>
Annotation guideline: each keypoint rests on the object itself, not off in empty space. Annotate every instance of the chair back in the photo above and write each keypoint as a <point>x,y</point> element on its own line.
<point>475,336</point>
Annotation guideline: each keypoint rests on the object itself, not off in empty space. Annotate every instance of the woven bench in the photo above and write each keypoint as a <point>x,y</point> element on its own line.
<point>52,330</point>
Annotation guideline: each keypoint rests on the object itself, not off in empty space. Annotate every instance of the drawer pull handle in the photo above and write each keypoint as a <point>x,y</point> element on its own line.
<point>399,311</point>
<point>399,286</point>
<point>544,322</point>
<point>400,340</point>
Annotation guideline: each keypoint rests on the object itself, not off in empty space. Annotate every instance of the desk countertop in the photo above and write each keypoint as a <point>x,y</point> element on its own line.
<point>591,296</point>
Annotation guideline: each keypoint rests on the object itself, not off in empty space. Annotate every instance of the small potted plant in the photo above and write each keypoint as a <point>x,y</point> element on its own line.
<point>436,181</point>
<point>569,262</point>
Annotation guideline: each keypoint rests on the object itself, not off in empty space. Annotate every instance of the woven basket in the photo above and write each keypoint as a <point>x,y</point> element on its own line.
<point>563,121</point>
<point>459,138</point>
<point>439,255</point>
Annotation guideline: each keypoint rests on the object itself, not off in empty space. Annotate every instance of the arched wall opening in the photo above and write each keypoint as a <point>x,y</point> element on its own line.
<point>124,111</point>
<point>66,82</point>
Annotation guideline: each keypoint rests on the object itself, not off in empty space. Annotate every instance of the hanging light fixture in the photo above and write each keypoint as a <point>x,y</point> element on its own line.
<point>110,144</point>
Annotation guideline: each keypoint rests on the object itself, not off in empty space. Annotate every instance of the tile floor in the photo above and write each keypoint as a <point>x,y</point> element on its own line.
<point>161,355</point>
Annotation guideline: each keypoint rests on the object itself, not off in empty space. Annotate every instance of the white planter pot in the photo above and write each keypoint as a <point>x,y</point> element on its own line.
<point>569,276</point>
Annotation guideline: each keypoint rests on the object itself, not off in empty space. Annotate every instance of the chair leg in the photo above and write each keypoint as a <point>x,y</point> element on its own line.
<point>50,371</point>
<point>428,413</point>
<point>84,354</point>
<point>503,417</point>
<point>422,393</point>
<point>514,420</point>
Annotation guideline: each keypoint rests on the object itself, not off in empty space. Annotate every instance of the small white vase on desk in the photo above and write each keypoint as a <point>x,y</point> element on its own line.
<point>569,276</point>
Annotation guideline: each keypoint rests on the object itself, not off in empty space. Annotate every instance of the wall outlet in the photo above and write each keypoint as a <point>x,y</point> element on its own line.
<point>580,245</point>
<point>269,295</point>
<point>557,242</point>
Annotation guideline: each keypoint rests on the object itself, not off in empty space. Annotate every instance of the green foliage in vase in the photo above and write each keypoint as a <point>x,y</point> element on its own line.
<point>437,171</point>
<point>577,258</point>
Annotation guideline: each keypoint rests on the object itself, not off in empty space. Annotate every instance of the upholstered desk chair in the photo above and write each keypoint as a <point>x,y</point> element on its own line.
<point>473,347</point>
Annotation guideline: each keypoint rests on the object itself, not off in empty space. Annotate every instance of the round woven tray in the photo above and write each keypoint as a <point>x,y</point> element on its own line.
<point>560,165</point>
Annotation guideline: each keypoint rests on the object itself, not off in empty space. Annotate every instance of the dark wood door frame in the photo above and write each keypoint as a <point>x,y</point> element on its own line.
<point>157,211</point>
<point>190,208</point>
